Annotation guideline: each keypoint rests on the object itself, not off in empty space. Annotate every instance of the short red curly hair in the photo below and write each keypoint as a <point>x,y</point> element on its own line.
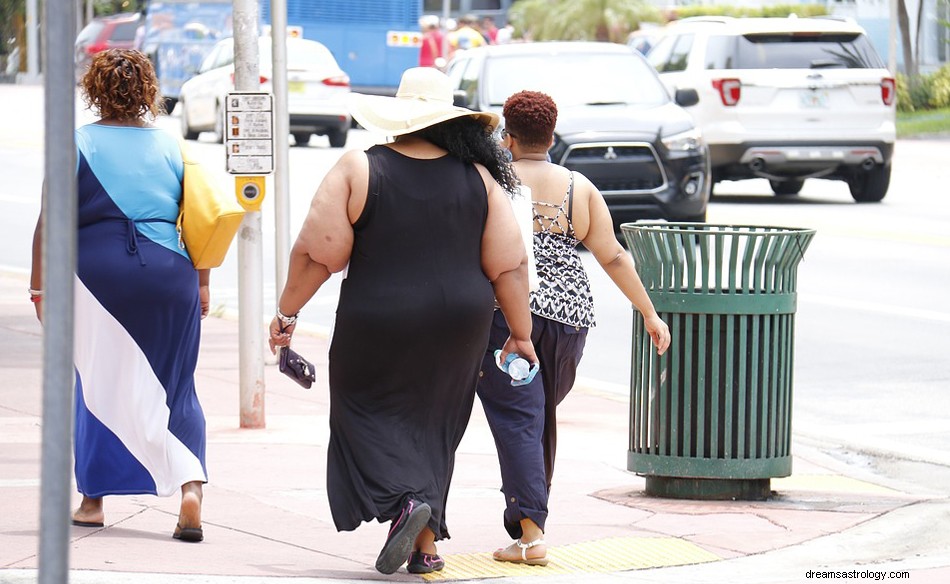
<point>120,84</point>
<point>530,116</point>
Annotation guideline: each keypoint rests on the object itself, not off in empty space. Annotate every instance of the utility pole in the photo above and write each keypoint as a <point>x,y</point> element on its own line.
<point>250,250</point>
<point>892,37</point>
<point>33,43</point>
<point>59,266</point>
<point>278,33</point>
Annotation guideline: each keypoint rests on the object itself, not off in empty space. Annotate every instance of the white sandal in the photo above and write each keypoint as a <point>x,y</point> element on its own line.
<point>543,561</point>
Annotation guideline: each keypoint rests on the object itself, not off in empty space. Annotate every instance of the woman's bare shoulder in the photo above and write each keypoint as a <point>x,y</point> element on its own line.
<point>353,159</point>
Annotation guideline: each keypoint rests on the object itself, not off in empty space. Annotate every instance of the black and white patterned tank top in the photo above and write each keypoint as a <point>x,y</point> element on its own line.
<point>564,292</point>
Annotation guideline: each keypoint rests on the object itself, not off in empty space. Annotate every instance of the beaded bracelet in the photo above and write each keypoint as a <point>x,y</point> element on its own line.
<point>35,295</point>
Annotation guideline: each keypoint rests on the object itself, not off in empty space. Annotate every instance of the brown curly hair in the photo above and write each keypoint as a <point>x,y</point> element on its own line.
<point>120,84</point>
<point>530,116</point>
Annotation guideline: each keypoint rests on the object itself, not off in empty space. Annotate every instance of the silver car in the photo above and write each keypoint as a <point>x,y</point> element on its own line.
<point>317,90</point>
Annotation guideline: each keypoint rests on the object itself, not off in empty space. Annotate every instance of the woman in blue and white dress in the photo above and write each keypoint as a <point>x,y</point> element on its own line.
<point>139,428</point>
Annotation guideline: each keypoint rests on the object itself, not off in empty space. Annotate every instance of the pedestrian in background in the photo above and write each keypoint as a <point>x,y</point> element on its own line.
<point>430,53</point>
<point>139,428</point>
<point>466,36</point>
<point>568,211</point>
<point>428,239</point>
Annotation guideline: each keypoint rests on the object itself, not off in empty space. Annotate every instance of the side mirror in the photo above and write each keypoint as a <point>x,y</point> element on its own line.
<point>686,97</point>
<point>460,98</point>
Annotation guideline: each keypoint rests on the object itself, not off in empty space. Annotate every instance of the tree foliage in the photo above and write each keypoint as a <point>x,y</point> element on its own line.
<point>11,11</point>
<point>772,11</point>
<point>601,20</point>
<point>107,7</point>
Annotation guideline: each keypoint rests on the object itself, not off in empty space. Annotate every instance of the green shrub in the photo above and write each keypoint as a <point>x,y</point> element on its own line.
<point>920,91</point>
<point>940,88</point>
<point>904,101</point>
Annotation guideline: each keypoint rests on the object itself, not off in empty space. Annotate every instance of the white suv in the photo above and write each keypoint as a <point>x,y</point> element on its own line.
<point>786,99</point>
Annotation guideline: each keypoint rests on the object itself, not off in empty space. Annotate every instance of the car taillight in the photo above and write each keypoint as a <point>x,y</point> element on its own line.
<point>888,91</point>
<point>338,81</point>
<point>730,90</point>
<point>261,79</point>
<point>96,48</point>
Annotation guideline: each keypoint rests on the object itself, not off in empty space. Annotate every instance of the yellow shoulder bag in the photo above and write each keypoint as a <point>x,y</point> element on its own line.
<point>208,219</point>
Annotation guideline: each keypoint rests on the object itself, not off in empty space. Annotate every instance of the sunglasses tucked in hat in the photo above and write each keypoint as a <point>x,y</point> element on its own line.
<point>424,99</point>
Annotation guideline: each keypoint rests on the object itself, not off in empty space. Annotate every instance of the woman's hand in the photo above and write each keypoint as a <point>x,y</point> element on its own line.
<point>278,338</point>
<point>659,333</point>
<point>521,347</point>
<point>204,297</point>
<point>38,306</point>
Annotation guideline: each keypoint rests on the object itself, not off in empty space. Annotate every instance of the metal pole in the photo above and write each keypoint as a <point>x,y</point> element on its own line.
<point>278,31</point>
<point>250,250</point>
<point>446,14</point>
<point>59,266</point>
<point>32,42</point>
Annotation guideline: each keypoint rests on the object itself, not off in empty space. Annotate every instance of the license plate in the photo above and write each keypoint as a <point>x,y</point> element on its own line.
<point>296,86</point>
<point>814,98</point>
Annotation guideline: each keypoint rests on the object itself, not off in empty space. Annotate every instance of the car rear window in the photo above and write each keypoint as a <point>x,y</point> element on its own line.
<point>125,31</point>
<point>792,51</point>
<point>576,79</point>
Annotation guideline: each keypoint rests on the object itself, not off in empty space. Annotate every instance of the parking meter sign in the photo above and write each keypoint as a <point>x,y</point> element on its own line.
<point>249,132</point>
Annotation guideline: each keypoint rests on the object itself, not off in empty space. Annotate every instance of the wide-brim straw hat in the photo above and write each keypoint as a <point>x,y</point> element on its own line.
<point>424,99</point>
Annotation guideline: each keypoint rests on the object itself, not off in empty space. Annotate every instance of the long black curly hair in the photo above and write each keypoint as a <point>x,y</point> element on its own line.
<point>471,141</point>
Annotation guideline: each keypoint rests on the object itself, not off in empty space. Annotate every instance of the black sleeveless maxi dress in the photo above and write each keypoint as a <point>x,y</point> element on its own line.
<point>412,324</point>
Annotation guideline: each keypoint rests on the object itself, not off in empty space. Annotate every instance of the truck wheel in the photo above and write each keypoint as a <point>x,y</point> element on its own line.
<point>870,186</point>
<point>337,138</point>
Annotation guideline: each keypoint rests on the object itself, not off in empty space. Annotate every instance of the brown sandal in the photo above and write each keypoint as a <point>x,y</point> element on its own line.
<point>192,534</point>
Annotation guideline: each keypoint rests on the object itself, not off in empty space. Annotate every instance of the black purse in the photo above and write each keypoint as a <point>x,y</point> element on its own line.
<point>296,367</point>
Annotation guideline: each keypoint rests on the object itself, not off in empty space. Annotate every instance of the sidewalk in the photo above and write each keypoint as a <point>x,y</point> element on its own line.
<point>266,515</point>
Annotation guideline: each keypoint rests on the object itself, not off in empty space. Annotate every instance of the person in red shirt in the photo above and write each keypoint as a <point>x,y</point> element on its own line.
<point>430,53</point>
<point>489,30</point>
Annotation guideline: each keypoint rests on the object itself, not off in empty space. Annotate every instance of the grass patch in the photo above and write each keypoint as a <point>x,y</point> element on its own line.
<point>922,123</point>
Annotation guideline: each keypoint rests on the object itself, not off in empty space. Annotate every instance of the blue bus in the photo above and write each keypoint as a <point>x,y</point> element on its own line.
<point>374,41</point>
<point>178,35</point>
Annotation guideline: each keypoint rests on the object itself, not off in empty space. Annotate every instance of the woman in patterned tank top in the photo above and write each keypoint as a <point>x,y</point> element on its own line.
<point>568,210</point>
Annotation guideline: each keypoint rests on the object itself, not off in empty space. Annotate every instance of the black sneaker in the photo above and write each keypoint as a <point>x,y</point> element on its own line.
<point>402,535</point>
<point>423,563</point>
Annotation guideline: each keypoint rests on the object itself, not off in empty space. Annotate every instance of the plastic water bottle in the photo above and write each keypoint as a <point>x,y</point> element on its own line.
<point>519,369</point>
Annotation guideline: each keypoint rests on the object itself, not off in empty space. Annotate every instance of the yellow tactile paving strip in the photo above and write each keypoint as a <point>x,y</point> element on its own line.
<point>601,556</point>
<point>829,483</point>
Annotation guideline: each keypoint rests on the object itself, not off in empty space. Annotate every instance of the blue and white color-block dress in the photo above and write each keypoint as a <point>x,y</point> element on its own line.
<point>139,426</point>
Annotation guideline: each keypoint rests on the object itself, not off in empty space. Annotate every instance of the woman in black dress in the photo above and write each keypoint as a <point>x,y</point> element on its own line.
<point>429,242</point>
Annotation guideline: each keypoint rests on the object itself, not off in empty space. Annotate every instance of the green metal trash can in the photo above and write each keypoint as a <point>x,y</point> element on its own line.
<point>711,418</point>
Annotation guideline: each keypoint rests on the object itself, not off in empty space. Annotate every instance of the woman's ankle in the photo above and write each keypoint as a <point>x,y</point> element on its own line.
<point>530,531</point>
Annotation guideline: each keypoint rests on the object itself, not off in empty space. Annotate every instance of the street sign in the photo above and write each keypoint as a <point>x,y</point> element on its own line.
<point>249,132</point>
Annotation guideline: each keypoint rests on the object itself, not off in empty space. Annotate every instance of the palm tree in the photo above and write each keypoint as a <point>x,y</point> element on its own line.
<point>601,20</point>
